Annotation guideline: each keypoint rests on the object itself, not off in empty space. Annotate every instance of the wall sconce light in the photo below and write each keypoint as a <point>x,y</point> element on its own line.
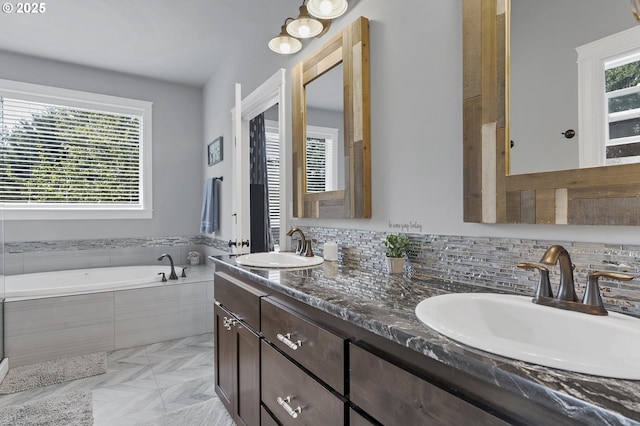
<point>327,9</point>
<point>284,43</point>
<point>313,20</point>
<point>635,8</point>
<point>305,25</point>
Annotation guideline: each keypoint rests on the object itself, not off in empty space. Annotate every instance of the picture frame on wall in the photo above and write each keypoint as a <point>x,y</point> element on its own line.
<point>214,151</point>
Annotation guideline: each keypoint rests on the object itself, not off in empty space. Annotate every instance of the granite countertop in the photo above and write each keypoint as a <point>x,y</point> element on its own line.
<point>385,304</point>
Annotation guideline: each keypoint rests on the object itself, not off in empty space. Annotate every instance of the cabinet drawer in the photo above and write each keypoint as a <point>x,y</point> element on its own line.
<point>239,298</point>
<point>316,349</point>
<point>394,396</point>
<point>294,396</point>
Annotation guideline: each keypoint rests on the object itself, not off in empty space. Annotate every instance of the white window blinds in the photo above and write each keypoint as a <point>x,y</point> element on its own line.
<point>58,153</point>
<point>273,176</point>
<point>317,154</point>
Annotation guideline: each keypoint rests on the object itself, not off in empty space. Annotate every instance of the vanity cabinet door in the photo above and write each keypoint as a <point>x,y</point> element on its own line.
<point>394,396</point>
<point>355,419</point>
<point>293,396</point>
<point>237,350</point>
<point>315,348</point>
<point>224,365</point>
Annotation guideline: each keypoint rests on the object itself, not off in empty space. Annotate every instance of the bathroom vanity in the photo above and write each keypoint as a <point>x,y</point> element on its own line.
<point>337,344</point>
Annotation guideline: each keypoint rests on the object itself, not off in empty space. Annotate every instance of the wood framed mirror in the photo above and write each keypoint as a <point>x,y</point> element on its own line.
<point>604,195</point>
<point>351,197</point>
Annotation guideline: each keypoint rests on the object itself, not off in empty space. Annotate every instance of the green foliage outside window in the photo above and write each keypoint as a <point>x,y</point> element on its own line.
<point>63,155</point>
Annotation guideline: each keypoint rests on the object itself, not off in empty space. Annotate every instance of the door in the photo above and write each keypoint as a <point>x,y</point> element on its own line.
<point>224,366</point>
<point>237,368</point>
<point>270,93</point>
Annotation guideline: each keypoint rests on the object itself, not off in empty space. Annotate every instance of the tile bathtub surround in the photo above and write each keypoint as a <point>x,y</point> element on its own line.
<point>491,262</point>
<point>38,330</point>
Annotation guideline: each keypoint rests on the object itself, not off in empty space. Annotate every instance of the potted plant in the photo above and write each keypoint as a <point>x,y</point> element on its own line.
<point>396,251</point>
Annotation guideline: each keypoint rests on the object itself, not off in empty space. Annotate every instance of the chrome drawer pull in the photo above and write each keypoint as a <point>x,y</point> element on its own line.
<point>228,323</point>
<point>286,339</point>
<point>284,403</point>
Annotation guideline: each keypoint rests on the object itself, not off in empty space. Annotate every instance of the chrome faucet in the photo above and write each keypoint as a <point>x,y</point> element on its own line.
<point>172,275</point>
<point>301,242</point>
<point>304,245</point>
<point>556,254</point>
<point>566,297</point>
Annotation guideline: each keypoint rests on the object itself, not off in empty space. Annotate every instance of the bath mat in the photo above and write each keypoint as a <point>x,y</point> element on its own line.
<point>207,413</point>
<point>73,408</point>
<point>51,372</point>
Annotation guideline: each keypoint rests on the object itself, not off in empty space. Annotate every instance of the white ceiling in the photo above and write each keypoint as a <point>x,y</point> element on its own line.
<point>176,40</point>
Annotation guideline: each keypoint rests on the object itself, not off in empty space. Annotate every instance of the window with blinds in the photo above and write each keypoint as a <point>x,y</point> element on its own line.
<point>622,86</point>
<point>317,164</point>
<point>321,159</point>
<point>68,153</point>
<point>273,177</point>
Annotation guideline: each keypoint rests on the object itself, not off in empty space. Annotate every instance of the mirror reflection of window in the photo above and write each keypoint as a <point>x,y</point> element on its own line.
<point>322,159</point>
<point>325,132</point>
<point>622,86</point>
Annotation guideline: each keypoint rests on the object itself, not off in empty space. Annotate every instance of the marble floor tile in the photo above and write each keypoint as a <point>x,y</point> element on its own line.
<point>142,383</point>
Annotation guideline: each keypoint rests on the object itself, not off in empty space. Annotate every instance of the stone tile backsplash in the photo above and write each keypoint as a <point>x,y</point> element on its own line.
<point>42,256</point>
<point>480,261</point>
<point>491,262</point>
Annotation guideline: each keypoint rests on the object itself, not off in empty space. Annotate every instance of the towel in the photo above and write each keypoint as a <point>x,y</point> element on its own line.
<point>209,222</point>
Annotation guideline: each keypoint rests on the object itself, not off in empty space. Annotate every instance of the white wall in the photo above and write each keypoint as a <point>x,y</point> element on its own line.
<point>416,116</point>
<point>177,151</point>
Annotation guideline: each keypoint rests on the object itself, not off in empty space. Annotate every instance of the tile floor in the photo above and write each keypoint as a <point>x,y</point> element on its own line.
<point>142,382</point>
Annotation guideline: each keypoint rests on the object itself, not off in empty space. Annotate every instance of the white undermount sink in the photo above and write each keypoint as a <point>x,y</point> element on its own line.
<point>514,327</point>
<point>275,259</point>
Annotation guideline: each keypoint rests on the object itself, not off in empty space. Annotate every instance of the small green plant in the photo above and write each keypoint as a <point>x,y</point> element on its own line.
<point>396,245</point>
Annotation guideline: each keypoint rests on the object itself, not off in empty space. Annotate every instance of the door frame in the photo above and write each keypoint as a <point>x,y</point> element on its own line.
<point>268,94</point>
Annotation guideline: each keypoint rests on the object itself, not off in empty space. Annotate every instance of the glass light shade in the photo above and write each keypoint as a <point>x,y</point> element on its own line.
<point>327,9</point>
<point>304,26</point>
<point>284,43</point>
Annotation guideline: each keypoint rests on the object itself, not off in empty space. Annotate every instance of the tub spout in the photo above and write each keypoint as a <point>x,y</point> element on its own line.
<point>172,275</point>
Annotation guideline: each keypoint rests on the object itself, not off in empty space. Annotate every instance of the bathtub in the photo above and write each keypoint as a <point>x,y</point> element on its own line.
<point>51,315</point>
<point>79,281</point>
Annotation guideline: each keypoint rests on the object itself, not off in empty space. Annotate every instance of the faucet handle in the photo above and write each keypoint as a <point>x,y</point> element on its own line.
<point>308,250</point>
<point>164,277</point>
<point>184,273</point>
<point>592,296</point>
<point>300,246</point>
<point>544,285</point>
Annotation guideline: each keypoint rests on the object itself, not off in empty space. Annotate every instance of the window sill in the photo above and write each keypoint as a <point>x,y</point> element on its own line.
<point>8,213</point>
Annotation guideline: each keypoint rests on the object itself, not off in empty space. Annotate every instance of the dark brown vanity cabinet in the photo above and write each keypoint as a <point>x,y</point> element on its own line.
<point>237,348</point>
<point>282,362</point>
<point>393,396</point>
